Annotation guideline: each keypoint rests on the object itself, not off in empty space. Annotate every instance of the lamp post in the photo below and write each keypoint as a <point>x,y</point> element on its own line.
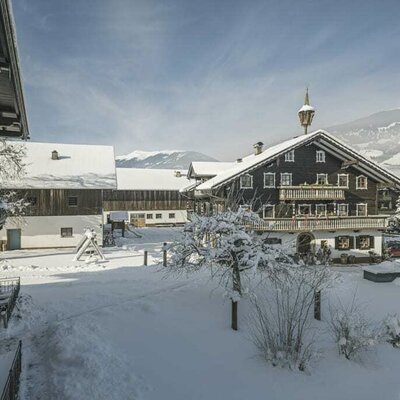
<point>306,113</point>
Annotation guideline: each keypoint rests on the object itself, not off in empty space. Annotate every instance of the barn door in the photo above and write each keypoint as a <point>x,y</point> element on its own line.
<point>13,239</point>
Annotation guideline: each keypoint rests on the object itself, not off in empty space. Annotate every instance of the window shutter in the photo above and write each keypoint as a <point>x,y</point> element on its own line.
<point>337,243</point>
<point>357,242</point>
<point>371,242</point>
<point>351,241</point>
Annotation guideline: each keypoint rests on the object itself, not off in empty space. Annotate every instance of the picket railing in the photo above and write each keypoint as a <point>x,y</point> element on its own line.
<point>11,388</point>
<point>328,223</point>
<point>311,193</point>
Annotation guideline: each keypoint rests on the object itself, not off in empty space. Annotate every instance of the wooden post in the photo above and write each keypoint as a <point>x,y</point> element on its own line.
<point>145,258</point>
<point>234,324</point>
<point>317,305</point>
<point>165,255</point>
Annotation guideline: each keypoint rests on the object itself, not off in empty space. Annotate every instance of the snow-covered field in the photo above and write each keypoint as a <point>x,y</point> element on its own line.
<point>119,330</point>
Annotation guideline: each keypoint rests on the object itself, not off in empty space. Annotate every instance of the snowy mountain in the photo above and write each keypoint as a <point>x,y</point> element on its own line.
<point>376,137</point>
<point>160,159</point>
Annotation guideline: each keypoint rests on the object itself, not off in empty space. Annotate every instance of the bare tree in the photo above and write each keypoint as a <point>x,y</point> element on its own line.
<point>12,166</point>
<point>226,245</point>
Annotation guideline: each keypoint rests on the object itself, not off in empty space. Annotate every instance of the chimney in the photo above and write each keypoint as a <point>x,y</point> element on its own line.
<point>239,160</point>
<point>177,174</point>
<point>54,155</point>
<point>258,148</point>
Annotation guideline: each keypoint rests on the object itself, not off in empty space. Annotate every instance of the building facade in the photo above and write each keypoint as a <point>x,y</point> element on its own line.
<point>63,190</point>
<point>151,197</point>
<point>311,192</point>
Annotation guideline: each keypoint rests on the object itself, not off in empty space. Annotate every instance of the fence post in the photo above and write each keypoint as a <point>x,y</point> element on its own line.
<point>145,258</point>
<point>165,255</point>
<point>317,305</point>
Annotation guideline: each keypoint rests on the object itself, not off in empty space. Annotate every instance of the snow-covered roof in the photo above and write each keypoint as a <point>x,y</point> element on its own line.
<point>77,167</point>
<point>252,161</point>
<point>151,179</point>
<point>208,168</point>
<point>306,107</point>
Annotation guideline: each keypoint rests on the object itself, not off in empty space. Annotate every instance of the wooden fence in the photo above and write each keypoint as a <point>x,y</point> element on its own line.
<point>11,388</point>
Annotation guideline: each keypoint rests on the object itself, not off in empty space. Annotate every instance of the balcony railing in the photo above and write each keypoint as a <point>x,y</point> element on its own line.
<point>323,223</point>
<point>311,193</point>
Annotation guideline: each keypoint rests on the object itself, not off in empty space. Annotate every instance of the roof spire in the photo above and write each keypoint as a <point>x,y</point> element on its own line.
<point>307,99</point>
<point>306,113</point>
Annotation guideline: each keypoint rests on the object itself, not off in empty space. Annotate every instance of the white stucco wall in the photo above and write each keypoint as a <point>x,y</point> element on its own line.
<point>41,232</point>
<point>290,241</point>
<point>180,216</point>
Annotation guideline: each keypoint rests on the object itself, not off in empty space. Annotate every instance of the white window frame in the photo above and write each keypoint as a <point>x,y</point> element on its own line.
<point>326,179</point>
<point>246,187</point>
<point>366,182</point>
<point>302,205</point>
<point>347,179</point>
<point>348,240</point>
<point>320,156</point>
<point>269,174</point>
<point>338,209</point>
<point>289,156</point>
<point>316,210</point>
<point>366,209</point>
<point>273,210</point>
<point>291,178</point>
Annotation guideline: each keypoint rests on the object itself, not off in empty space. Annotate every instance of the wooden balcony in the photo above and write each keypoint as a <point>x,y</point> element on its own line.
<point>321,223</point>
<point>312,192</point>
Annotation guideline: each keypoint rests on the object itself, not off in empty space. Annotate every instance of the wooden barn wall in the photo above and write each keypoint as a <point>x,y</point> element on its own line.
<point>55,202</point>
<point>304,170</point>
<point>124,200</point>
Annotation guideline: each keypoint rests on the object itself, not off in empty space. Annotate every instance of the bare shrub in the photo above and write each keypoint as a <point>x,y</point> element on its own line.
<point>352,331</point>
<point>280,324</point>
<point>391,330</point>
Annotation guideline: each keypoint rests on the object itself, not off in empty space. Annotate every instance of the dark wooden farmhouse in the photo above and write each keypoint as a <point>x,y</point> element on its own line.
<point>311,191</point>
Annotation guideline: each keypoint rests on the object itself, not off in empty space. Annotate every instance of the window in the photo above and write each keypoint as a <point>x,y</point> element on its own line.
<point>365,242</point>
<point>343,180</point>
<point>72,201</point>
<point>289,157</point>
<point>324,244</point>
<point>320,156</point>
<point>158,216</point>
<point>344,242</point>
<point>66,232</point>
<point>322,179</point>
<point>269,180</point>
<point>32,201</point>
<point>171,215</point>
<point>320,210</point>
<point>269,211</point>
<point>246,182</point>
<point>304,209</point>
<point>149,216</point>
<point>342,210</point>
<point>286,179</point>
<point>361,209</point>
<point>362,182</point>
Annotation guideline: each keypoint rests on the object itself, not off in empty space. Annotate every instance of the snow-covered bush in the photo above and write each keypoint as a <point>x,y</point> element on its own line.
<point>225,245</point>
<point>352,331</point>
<point>12,204</point>
<point>280,324</point>
<point>391,330</point>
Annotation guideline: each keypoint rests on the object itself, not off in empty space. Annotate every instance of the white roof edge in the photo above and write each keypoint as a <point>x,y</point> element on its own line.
<point>230,174</point>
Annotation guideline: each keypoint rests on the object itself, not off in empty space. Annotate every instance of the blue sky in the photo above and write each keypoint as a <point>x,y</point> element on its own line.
<point>211,76</point>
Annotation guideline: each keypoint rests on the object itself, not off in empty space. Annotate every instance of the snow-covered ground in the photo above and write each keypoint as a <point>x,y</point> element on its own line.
<point>119,330</point>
